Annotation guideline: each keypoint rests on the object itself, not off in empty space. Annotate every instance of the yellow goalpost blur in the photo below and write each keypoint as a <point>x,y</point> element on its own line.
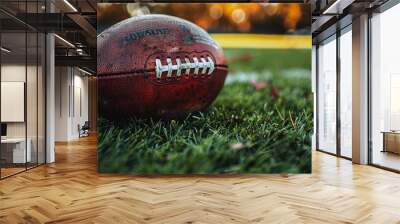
<point>263,41</point>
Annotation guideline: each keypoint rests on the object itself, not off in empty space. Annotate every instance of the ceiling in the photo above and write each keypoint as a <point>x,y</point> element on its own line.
<point>74,21</point>
<point>329,15</point>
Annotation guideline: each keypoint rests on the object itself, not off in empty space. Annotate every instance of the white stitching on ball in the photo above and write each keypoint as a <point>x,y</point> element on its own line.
<point>203,64</point>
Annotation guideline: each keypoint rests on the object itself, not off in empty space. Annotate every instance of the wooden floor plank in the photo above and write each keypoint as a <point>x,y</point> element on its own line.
<point>71,191</point>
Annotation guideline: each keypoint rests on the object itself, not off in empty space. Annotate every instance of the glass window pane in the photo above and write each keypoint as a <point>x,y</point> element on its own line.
<point>385,89</point>
<point>327,96</point>
<point>346,94</point>
<point>13,86</point>
<point>41,98</point>
<point>31,97</point>
<point>23,88</point>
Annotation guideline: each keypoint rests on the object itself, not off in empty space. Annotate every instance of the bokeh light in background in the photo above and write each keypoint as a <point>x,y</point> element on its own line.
<point>268,18</point>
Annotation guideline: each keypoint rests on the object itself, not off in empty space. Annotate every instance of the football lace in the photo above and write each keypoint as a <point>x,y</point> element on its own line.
<point>203,64</point>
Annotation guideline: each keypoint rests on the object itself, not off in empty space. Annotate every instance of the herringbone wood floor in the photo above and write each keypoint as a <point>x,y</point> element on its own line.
<point>71,191</point>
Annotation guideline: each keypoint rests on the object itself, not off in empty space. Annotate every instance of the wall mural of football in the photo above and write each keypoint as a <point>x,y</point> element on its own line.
<point>204,88</point>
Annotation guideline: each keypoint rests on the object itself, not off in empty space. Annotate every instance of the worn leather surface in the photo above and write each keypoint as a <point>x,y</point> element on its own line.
<point>126,68</point>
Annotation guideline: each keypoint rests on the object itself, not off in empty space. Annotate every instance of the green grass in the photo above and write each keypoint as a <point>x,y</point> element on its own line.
<point>243,131</point>
<point>272,59</point>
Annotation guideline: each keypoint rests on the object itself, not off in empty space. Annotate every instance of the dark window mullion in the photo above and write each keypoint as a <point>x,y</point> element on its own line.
<point>317,96</point>
<point>338,80</point>
<point>369,95</point>
<point>26,86</point>
<point>0,97</point>
<point>37,89</point>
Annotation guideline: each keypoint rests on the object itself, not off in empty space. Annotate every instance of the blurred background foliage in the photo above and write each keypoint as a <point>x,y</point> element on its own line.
<point>268,18</point>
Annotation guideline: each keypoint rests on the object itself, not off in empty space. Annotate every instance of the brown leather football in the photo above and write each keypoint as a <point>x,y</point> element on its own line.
<point>157,65</point>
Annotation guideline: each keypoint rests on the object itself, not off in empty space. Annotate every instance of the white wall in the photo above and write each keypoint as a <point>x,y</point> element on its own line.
<point>16,72</point>
<point>80,84</point>
<point>13,72</point>
<point>62,81</point>
<point>71,94</point>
